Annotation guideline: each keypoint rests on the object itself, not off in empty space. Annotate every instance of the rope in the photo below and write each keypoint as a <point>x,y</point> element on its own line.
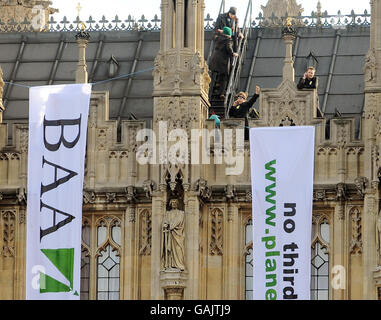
<point>95,83</point>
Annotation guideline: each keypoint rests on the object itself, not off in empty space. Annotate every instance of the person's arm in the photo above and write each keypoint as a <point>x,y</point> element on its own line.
<point>231,111</point>
<point>219,25</point>
<point>316,82</point>
<point>229,48</point>
<point>301,84</point>
<point>252,101</point>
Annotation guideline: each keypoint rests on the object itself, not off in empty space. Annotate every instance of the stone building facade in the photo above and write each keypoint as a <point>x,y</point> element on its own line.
<point>125,202</point>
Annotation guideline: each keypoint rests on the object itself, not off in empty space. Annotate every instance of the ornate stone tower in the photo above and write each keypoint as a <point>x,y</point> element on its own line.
<point>372,140</point>
<point>34,11</point>
<point>281,7</point>
<point>181,85</point>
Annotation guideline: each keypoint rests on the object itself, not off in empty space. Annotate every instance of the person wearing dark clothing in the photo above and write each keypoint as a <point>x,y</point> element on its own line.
<point>229,19</point>
<point>241,108</point>
<point>308,81</point>
<point>220,61</point>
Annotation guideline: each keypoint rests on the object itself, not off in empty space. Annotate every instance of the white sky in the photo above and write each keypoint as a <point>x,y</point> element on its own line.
<point>149,8</point>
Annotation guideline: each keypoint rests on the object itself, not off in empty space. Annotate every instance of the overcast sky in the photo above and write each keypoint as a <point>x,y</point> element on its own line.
<point>149,8</point>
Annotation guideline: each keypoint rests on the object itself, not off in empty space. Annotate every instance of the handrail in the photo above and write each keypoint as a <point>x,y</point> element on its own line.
<point>238,61</point>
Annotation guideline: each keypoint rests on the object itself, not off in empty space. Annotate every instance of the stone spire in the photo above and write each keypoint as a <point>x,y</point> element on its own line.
<point>180,67</point>
<point>35,11</point>
<point>1,95</point>
<point>81,75</point>
<point>282,8</point>
<point>372,140</point>
<point>82,37</point>
<point>372,67</point>
<point>289,35</point>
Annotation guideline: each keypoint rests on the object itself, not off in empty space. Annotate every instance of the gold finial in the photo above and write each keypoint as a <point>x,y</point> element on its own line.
<point>79,8</point>
<point>288,22</point>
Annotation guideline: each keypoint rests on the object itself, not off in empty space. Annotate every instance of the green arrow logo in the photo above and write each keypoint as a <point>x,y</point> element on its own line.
<point>63,259</point>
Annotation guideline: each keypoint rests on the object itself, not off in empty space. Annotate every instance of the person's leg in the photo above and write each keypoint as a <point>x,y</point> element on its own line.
<point>223,83</point>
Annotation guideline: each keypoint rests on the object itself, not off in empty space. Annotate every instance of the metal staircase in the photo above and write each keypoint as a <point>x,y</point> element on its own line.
<point>221,107</point>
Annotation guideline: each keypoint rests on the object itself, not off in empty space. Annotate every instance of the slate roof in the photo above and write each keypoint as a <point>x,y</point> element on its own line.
<point>51,57</point>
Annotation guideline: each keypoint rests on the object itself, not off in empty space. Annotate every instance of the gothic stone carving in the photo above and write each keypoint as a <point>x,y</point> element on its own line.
<point>149,187</point>
<point>88,197</point>
<point>361,183</point>
<point>230,193</point>
<point>131,213</point>
<point>370,67</point>
<point>320,195</point>
<point>341,192</point>
<point>130,194</point>
<point>110,197</point>
<point>356,241</point>
<point>173,238</point>
<point>216,241</point>
<point>21,196</point>
<point>145,233</point>
<point>281,8</point>
<point>201,186</point>
<point>19,10</point>
<point>9,229</point>
<point>173,76</point>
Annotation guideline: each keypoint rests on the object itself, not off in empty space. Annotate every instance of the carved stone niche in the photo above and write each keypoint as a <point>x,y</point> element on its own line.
<point>204,192</point>
<point>149,186</point>
<point>175,77</point>
<point>361,184</point>
<point>288,106</point>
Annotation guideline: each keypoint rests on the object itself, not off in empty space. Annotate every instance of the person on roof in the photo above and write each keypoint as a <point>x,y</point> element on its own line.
<point>229,19</point>
<point>220,62</point>
<point>241,108</point>
<point>215,117</point>
<point>309,80</point>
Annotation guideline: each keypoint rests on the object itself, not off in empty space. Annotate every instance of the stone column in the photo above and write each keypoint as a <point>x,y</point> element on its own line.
<point>81,75</point>
<point>231,254</point>
<point>158,209</point>
<point>192,231</point>
<point>369,243</point>
<point>1,95</point>
<point>337,250</point>
<point>289,35</point>
<point>130,291</point>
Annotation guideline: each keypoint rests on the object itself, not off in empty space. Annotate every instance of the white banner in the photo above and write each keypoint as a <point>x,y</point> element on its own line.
<point>57,144</point>
<point>282,167</point>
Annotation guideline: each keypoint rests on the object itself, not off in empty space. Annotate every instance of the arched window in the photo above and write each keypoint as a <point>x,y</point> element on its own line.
<point>249,260</point>
<point>85,260</point>
<point>320,258</point>
<point>108,260</point>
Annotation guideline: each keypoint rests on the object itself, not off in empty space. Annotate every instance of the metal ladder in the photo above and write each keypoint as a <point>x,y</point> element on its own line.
<point>222,107</point>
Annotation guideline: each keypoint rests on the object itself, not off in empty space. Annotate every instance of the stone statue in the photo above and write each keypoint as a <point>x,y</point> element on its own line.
<point>370,66</point>
<point>378,238</point>
<point>173,239</point>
